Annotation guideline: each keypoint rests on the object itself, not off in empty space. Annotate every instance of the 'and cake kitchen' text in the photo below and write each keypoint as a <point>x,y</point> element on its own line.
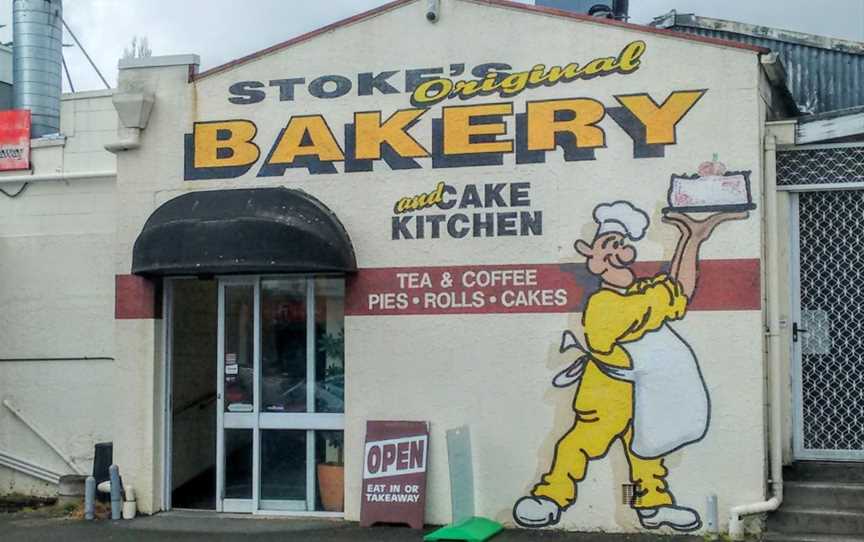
<point>476,210</point>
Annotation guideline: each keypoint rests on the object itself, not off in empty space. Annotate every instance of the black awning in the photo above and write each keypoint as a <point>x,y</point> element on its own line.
<point>264,230</point>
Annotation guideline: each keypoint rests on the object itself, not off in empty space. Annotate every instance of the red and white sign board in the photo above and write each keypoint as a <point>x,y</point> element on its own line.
<point>394,473</point>
<point>14,140</point>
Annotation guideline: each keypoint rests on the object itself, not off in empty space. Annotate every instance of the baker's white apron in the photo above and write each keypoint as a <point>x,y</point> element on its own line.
<point>670,401</point>
<point>671,407</point>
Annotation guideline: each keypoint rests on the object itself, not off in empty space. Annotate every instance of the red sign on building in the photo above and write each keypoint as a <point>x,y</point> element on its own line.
<point>14,140</point>
<point>394,473</point>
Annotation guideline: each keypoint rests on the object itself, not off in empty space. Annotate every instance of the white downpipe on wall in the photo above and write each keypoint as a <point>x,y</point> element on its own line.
<point>66,459</point>
<point>736,513</point>
<point>82,176</point>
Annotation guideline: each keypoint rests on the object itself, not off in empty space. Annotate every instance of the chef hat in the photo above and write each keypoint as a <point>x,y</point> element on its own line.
<point>621,217</point>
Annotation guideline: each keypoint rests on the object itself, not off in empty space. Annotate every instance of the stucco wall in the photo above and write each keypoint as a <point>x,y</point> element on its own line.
<point>490,371</point>
<point>57,296</point>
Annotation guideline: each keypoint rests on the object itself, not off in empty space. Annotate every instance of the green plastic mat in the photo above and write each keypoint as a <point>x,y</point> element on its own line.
<point>470,530</point>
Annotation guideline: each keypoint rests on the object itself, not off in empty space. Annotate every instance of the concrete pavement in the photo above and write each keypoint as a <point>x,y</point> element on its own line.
<point>187,526</point>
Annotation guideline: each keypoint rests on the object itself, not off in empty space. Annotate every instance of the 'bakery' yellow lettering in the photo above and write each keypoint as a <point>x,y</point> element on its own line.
<point>465,135</point>
<point>543,126</point>
<point>660,120</point>
<point>224,144</point>
<point>306,136</point>
<point>372,133</point>
<point>459,130</point>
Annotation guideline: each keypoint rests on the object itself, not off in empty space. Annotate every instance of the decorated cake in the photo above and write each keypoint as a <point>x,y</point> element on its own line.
<point>713,189</point>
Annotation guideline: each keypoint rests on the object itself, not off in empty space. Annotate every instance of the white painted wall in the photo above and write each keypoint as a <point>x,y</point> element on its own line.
<point>57,297</point>
<point>491,372</point>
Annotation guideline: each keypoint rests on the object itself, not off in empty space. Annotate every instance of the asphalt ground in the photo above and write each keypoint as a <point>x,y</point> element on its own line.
<point>210,527</point>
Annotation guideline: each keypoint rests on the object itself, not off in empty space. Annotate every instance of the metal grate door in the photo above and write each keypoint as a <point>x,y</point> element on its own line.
<point>829,343</point>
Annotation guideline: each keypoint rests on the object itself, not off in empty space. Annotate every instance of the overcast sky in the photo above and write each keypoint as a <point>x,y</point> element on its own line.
<point>221,30</point>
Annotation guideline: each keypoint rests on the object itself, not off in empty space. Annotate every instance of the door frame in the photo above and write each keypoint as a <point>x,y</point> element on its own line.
<point>310,422</point>
<point>799,451</point>
<point>237,420</point>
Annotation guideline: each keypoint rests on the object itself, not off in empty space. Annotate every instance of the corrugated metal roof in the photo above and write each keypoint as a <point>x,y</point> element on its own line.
<point>824,74</point>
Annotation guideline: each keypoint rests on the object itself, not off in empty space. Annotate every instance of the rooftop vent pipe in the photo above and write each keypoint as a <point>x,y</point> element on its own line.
<point>610,9</point>
<point>37,58</point>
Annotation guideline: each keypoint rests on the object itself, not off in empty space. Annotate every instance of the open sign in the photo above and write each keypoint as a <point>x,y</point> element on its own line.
<point>394,473</point>
<point>396,457</point>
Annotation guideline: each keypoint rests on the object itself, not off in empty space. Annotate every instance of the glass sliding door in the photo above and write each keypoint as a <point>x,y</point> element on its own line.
<point>283,381</point>
<point>237,431</point>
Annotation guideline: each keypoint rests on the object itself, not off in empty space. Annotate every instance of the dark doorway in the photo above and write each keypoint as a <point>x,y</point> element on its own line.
<point>194,316</point>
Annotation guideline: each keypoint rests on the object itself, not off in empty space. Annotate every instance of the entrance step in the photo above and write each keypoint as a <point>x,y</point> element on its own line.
<point>786,537</point>
<point>824,471</point>
<point>824,495</point>
<point>822,502</point>
<point>791,519</point>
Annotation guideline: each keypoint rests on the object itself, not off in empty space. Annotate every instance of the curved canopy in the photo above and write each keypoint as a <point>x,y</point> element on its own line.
<point>264,230</point>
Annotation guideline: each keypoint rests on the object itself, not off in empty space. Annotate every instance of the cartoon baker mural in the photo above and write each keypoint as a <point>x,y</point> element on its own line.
<point>636,379</point>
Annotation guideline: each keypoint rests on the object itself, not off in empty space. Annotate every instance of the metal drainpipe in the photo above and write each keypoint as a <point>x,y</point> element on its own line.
<point>736,527</point>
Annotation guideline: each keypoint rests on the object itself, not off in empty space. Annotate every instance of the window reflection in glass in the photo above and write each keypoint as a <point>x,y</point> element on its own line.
<point>283,345</point>
<point>283,465</point>
<point>238,463</point>
<point>330,345</point>
<point>239,337</point>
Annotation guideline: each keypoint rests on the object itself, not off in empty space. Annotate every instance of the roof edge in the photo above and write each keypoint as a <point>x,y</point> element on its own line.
<point>627,26</point>
<point>499,3</point>
<point>837,113</point>
<point>302,37</point>
<point>691,20</point>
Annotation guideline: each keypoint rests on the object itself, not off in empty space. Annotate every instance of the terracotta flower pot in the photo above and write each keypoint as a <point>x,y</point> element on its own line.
<point>331,483</point>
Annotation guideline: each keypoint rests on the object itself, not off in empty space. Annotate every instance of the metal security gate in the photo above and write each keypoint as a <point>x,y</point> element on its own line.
<point>828,333</point>
<point>828,299</point>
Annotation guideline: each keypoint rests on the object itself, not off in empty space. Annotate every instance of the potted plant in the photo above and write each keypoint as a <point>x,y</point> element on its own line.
<point>331,472</point>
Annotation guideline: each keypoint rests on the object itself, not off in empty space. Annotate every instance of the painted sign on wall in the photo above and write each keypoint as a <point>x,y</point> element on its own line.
<point>14,140</point>
<point>636,381</point>
<point>460,135</point>
<point>394,473</point>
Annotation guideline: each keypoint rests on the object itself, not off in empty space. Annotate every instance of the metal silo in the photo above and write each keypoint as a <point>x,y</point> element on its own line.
<point>37,34</point>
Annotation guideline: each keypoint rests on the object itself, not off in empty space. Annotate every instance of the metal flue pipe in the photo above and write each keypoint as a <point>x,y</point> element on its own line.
<point>37,62</point>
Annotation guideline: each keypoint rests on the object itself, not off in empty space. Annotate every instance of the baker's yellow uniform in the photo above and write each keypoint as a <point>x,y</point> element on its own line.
<point>604,405</point>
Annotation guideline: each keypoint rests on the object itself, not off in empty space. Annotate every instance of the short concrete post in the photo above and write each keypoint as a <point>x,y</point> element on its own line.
<point>712,521</point>
<point>89,498</point>
<point>116,503</point>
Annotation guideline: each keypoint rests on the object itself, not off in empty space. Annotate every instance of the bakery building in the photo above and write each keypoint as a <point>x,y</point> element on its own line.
<point>573,248</point>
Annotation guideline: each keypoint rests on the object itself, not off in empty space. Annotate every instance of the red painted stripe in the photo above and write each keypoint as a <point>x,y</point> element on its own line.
<point>502,3</point>
<point>135,298</point>
<point>724,285</point>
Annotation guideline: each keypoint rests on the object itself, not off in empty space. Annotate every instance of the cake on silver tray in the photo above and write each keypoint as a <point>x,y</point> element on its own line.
<point>713,189</point>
